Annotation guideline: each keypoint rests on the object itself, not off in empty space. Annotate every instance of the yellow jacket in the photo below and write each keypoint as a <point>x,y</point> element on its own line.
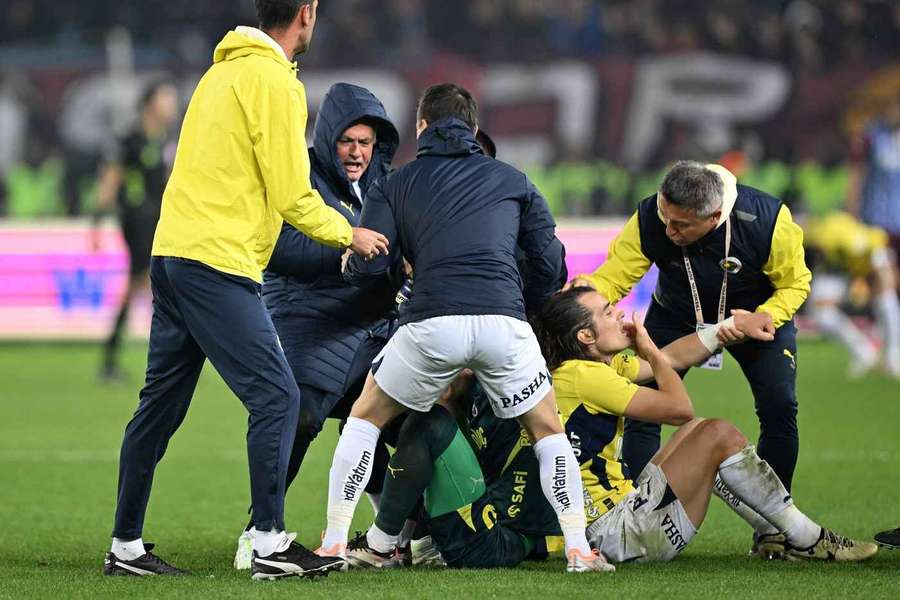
<point>242,167</point>
<point>760,221</point>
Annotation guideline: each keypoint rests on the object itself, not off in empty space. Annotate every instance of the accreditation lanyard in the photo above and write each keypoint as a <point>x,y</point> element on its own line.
<point>695,295</point>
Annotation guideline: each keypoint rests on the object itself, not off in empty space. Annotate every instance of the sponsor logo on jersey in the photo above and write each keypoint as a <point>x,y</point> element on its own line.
<point>356,476</point>
<point>575,442</point>
<point>526,391</point>
<point>672,534</point>
<point>560,482</point>
<point>489,515</point>
<point>520,480</point>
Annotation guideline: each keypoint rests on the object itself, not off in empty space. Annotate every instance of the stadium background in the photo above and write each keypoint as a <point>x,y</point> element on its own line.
<point>592,98</point>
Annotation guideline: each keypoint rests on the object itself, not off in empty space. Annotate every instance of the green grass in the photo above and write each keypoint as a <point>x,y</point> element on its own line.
<point>58,466</point>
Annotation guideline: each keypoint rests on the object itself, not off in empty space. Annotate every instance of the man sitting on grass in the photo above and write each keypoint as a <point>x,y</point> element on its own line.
<point>582,336</point>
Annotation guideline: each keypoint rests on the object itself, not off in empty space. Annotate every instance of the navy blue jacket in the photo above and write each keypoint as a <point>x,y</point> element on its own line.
<point>320,319</point>
<point>457,216</point>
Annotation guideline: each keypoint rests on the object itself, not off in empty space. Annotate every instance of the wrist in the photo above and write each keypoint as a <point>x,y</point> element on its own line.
<point>709,336</point>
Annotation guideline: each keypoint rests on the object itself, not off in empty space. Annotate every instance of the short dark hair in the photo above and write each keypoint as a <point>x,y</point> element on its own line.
<point>558,324</point>
<point>447,100</point>
<point>277,14</point>
<point>692,186</point>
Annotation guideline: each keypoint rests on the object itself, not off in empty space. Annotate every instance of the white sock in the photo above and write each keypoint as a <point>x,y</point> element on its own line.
<point>267,542</point>
<point>836,324</point>
<point>887,313</point>
<point>128,550</point>
<point>375,501</point>
<point>758,523</point>
<point>347,479</point>
<point>381,541</point>
<point>754,483</point>
<point>406,533</point>
<point>561,483</point>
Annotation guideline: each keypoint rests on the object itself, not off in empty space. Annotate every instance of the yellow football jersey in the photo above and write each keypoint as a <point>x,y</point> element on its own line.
<point>592,398</point>
<point>845,242</point>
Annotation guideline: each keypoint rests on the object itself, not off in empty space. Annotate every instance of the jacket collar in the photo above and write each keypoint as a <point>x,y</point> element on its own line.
<point>730,196</point>
<point>261,36</point>
<point>448,137</point>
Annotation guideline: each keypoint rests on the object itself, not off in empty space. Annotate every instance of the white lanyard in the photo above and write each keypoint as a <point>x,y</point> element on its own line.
<point>695,295</point>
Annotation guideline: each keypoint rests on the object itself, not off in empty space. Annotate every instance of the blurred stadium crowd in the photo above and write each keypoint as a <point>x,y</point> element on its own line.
<point>802,33</point>
<point>571,88</point>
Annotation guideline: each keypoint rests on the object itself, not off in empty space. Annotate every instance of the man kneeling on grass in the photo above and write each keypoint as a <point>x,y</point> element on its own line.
<point>582,336</point>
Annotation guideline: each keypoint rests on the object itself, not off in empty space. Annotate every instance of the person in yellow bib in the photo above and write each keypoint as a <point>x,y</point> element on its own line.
<point>654,516</point>
<point>240,170</point>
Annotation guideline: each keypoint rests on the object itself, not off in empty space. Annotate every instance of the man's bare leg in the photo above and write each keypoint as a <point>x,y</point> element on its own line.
<point>717,447</point>
<point>690,465</point>
<point>674,441</point>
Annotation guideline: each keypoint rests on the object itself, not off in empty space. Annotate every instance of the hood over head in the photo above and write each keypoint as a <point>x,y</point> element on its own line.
<point>344,105</point>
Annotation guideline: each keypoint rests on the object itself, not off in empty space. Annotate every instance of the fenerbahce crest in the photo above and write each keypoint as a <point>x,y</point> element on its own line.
<point>731,265</point>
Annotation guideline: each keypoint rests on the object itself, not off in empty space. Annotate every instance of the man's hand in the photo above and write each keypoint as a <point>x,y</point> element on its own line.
<point>367,243</point>
<point>758,326</point>
<point>578,282</point>
<point>643,346</point>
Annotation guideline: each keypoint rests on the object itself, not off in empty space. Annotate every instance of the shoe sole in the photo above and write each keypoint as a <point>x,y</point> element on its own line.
<point>770,552</point>
<point>307,574</point>
<point>800,558</point>
<point>361,564</point>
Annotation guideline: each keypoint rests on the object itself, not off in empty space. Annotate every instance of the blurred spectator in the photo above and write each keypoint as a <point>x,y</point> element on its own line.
<point>875,193</point>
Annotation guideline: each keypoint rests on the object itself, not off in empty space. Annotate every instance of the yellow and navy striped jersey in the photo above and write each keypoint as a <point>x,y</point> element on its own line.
<point>592,398</point>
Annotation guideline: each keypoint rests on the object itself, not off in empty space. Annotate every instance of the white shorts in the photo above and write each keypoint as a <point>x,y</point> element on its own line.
<point>830,288</point>
<point>647,525</point>
<point>422,358</point>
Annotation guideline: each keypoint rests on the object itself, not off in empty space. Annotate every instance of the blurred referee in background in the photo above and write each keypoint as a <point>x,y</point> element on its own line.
<point>719,247</point>
<point>132,181</point>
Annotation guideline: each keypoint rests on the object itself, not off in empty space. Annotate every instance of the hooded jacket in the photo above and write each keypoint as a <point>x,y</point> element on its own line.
<point>241,168</point>
<point>457,216</point>
<point>320,319</point>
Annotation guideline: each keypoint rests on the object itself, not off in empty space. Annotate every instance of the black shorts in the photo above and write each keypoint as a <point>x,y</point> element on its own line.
<point>138,234</point>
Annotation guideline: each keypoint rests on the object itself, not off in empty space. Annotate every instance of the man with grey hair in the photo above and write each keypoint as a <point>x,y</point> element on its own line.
<point>721,248</point>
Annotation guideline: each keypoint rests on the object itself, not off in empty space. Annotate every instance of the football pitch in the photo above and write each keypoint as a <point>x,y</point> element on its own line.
<point>58,467</point>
